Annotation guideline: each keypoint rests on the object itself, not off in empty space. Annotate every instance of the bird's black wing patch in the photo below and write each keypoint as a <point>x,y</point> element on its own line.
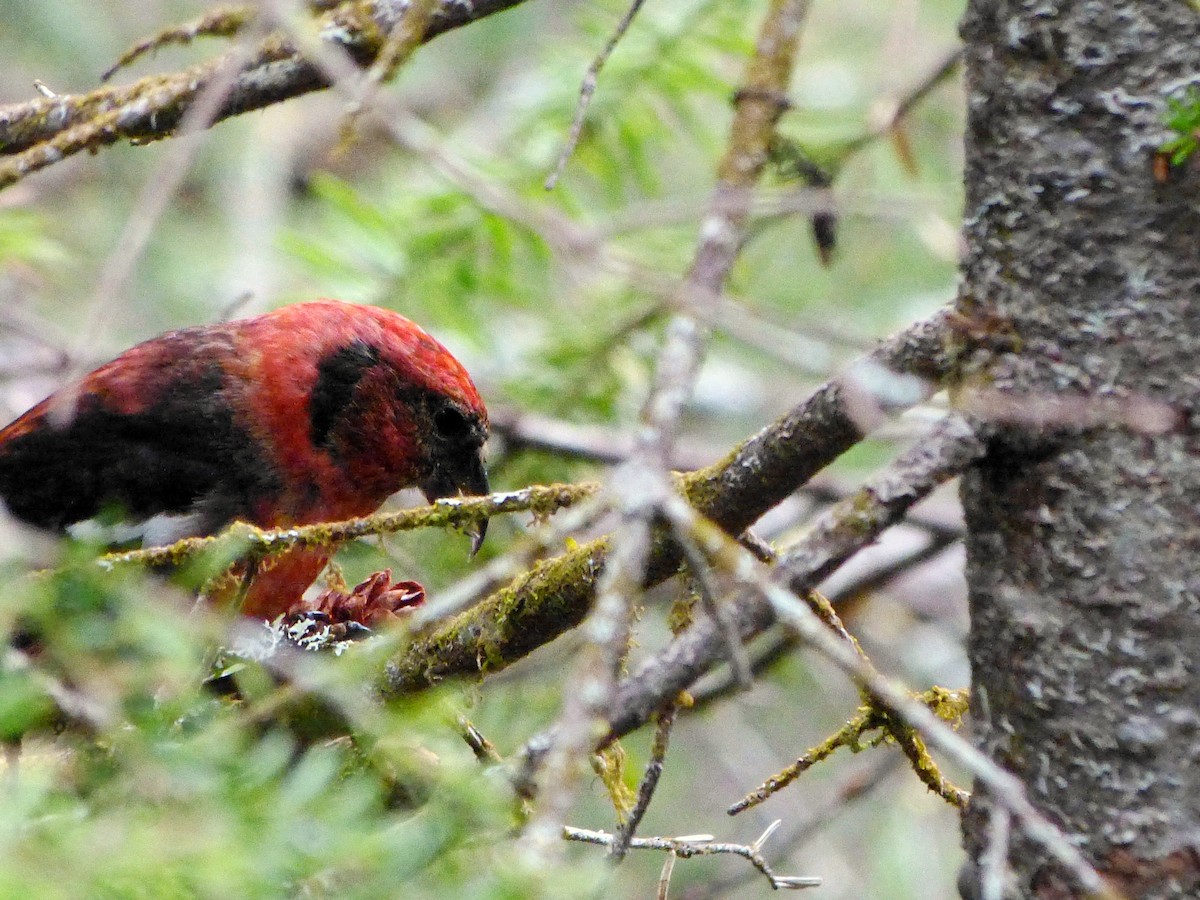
<point>337,376</point>
<point>184,451</point>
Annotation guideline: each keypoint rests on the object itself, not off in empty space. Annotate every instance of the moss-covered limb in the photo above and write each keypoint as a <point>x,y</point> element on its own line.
<point>948,705</point>
<point>775,462</point>
<point>541,500</point>
<point>849,735</point>
<point>153,107</point>
<point>554,596</point>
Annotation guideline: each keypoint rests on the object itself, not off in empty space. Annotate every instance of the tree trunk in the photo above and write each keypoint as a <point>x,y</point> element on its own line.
<point>1081,332</point>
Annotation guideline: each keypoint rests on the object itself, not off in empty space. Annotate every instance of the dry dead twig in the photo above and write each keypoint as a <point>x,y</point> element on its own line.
<point>701,845</point>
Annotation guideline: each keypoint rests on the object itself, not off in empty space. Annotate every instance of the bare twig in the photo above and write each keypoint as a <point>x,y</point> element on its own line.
<point>587,88</point>
<point>854,788</point>
<point>1071,411</point>
<point>221,21</point>
<point>942,71</point>
<point>664,877</point>
<point>648,784</point>
<point>519,429</point>
<point>993,862</point>
<point>706,586</point>
<point>483,749</point>
<point>700,845</point>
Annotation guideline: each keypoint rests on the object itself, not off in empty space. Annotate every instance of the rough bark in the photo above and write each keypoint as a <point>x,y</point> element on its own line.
<point>1082,281</point>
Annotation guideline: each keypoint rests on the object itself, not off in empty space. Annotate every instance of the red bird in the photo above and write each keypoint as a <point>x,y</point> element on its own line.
<point>315,412</point>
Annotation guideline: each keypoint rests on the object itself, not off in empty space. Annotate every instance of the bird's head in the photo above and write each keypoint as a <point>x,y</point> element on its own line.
<point>395,408</point>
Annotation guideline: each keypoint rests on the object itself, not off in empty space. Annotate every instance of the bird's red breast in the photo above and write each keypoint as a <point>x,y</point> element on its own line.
<point>315,412</point>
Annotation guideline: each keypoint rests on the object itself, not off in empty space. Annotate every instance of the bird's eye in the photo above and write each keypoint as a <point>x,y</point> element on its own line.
<point>450,423</point>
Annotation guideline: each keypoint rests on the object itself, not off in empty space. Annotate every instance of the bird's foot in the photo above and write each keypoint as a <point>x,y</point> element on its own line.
<point>375,602</point>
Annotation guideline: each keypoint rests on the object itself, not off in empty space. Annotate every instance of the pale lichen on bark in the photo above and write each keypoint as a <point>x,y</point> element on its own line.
<point>1082,540</point>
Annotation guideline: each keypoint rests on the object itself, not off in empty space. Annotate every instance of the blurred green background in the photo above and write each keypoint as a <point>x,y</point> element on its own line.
<point>178,795</point>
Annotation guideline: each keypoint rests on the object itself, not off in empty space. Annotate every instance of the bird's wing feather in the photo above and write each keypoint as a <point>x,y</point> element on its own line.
<point>153,432</point>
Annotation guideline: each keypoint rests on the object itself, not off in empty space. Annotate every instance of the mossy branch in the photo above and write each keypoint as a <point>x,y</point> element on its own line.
<point>242,539</point>
<point>948,705</point>
<point>45,131</point>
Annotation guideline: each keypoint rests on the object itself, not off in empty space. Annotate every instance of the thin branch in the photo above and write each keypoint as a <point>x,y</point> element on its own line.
<point>940,73</point>
<point>849,735</point>
<point>484,750</point>
<point>519,429</point>
<point>664,877</point>
<point>856,787</point>
<point>913,746</point>
<point>455,512</point>
<point>700,845</point>
<point>993,862</point>
<point>765,657</point>
<point>587,88</point>
<point>706,586</point>
<point>648,784</point>
<point>221,21</point>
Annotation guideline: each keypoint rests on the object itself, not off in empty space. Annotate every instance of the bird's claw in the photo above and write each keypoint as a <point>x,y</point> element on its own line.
<point>376,601</point>
<point>477,532</point>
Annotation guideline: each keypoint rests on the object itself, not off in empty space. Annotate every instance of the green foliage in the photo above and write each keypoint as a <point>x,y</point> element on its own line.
<point>24,239</point>
<point>1183,117</point>
<point>170,791</point>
